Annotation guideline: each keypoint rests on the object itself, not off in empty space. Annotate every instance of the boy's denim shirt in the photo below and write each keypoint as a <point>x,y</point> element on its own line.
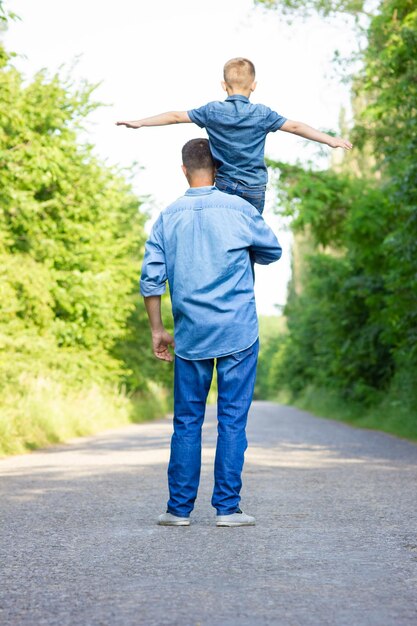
<point>237,131</point>
<point>201,245</point>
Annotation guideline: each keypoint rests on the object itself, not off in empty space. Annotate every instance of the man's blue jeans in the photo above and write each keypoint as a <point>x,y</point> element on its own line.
<point>254,195</point>
<point>236,375</point>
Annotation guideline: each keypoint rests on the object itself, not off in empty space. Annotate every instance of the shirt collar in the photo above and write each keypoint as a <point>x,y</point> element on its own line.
<point>200,191</point>
<point>237,96</point>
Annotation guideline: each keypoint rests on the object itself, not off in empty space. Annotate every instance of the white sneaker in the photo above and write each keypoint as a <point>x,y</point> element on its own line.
<point>235,519</point>
<point>167,519</point>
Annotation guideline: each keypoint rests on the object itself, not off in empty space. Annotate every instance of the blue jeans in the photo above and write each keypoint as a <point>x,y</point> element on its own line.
<point>254,195</point>
<point>236,380</point>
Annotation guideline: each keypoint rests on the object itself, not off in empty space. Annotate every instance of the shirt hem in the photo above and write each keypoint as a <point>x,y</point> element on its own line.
<point>218,356</point>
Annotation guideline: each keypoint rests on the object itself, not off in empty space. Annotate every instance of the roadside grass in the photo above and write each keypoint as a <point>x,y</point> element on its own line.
<point>41,411</point>
<point>393,414</point>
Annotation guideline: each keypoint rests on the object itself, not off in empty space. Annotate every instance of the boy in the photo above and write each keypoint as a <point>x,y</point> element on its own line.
<point>237,132</point>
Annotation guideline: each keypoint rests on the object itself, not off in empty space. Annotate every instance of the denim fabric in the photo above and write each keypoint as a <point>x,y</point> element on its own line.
<point>254,195</point>
<point>203,244</point>
<point>237,131</point>
<point>236,380</point>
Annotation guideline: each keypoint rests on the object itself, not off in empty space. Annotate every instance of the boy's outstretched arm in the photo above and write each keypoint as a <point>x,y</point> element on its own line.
<point>163,119</point>
<point>308,132</point>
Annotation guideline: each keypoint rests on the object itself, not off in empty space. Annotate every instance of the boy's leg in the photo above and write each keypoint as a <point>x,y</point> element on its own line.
<point>192,381</point>
<point>236,381</point>
<point>227,186</point>
<point>254,195</point>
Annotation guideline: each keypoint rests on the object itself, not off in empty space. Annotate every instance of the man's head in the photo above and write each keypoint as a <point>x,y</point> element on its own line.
<point>239,76</point>
<point>197,163</point>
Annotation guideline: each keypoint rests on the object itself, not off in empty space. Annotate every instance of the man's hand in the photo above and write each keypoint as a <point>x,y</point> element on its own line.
<point>339,142</point>
<point>160,342</point>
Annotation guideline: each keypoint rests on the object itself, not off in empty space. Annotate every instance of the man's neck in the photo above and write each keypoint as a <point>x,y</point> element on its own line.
<point>201,181</point>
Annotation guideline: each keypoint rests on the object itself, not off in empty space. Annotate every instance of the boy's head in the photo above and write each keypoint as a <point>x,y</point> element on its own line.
<point>197,162</point>
<point>239,76</point>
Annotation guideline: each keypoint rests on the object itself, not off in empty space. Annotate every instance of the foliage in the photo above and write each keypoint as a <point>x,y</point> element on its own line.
<point>271,330</point>
<point>389,123</point>
<point>71,240</point>
<point>6,16</point>
<point>42,411</point>
<point>322,7</point>
<point>352,309</point>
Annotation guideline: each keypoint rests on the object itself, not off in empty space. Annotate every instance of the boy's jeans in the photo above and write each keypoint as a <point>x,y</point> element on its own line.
<point>236,380</point>
<point>254,195</point>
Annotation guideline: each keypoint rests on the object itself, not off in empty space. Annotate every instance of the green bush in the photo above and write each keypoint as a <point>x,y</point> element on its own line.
<point>351,346</point>
<point>74,342</point>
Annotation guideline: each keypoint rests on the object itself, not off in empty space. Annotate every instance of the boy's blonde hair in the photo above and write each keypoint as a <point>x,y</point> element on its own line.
<point>239,72</point>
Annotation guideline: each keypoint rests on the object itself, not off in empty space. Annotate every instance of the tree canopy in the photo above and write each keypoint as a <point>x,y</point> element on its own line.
<point>71,244</point>
<point>352,307</point>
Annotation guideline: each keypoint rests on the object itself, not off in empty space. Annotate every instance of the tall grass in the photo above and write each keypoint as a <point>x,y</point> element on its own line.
<point>40,411</point>
<point>395,413</point>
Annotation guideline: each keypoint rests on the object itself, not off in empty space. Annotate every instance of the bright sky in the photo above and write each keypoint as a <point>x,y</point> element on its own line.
<point>155,56</point>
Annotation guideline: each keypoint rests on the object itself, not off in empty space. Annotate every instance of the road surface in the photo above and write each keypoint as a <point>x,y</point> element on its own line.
<point>335,541</point>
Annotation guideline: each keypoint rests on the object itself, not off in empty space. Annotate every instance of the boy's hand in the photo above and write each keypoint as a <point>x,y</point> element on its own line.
<point>308,132</point>
<point>160,342</point>
<point>129,124</point>
<point>338,142</point>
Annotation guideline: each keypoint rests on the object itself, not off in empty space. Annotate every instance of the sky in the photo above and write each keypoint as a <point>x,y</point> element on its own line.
<point>150,57</point>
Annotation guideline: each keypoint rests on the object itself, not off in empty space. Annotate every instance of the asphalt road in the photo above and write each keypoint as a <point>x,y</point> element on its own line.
<point>335,541</point>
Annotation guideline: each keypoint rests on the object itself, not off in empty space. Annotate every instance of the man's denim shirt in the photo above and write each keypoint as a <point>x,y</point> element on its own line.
<point>237,131</point>
<point>201,245</point>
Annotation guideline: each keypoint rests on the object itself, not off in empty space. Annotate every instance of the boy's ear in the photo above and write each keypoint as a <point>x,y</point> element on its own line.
<point>224,86</point>
<point>253,86</point>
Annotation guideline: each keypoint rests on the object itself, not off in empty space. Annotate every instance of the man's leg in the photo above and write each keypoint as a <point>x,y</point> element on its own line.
<point>236,381</point>
<point>192,381</point>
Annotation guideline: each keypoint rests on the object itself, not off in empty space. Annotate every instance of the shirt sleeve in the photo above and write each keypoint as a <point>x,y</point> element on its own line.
<point>154,274</point>
<point>199,116</point>
<point>273,121</point>
<point>265,247</point>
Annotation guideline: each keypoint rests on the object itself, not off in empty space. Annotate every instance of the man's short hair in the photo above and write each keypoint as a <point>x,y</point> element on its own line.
<point>239,72</point>
<point>196,155</point>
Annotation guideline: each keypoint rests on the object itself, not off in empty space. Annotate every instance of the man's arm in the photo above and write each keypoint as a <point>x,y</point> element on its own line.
<point>308,132</point>
<point>265,247</point>
<point>152,286</point>
<point>160,338</point>
<point>163,119</point>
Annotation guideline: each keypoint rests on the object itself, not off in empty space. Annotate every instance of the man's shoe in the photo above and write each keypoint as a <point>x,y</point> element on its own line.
<point>167,519</point>
<point>235,519</point>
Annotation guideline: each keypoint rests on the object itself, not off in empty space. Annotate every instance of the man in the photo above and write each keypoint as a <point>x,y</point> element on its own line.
<point>204,245</point>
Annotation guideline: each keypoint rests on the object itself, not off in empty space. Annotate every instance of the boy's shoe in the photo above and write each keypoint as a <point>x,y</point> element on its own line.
<point>167,519</point>
<point>235,519</point>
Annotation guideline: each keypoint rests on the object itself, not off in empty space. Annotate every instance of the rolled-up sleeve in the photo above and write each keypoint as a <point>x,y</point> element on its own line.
<point>265,247</point>
<point>154,274</point>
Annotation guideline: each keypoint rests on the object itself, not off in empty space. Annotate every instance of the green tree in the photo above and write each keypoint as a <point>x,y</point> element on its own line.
<point>352,314</point>
<point>71,243</point>
<point>308,7</point>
